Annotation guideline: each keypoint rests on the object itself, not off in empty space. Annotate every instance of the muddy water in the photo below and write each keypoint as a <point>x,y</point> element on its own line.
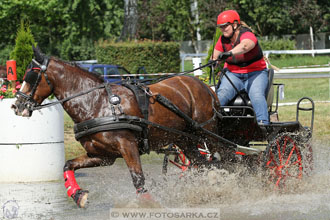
<point>239,196</point>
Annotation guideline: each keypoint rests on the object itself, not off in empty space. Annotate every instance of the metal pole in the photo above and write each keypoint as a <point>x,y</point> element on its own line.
<point>182,62</point>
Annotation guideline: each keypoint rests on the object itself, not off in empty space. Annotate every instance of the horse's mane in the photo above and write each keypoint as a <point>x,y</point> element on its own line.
<point>82,70</point>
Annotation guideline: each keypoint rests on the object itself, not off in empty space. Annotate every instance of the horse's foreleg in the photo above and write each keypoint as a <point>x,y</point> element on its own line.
<point>73,189</point>
<point>130,153</point>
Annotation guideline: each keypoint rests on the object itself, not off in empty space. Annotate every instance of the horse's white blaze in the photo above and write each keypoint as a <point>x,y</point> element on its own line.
<point>22,87</point>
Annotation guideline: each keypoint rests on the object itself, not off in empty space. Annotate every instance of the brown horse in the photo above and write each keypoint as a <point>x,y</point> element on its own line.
<point>3,72</point>
<point>64,80</point>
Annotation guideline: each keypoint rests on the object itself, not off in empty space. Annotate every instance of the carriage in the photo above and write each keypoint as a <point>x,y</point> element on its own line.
<point>282,150</point>
<point>127,119</point>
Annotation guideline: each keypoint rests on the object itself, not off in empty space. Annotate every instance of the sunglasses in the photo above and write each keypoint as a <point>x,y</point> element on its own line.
<point>223,26</point>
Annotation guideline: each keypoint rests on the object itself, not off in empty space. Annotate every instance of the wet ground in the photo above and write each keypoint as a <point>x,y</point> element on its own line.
<point>236,196</point>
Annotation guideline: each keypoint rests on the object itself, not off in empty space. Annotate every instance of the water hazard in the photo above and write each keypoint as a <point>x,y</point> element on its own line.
<point>237,195</point>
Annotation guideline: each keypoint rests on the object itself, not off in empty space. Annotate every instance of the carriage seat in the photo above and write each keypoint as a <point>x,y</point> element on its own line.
<point>238,101</point>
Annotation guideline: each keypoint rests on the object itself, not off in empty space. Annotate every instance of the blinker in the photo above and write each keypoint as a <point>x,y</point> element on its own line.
<point>31,77</point>
<point>115,99</point>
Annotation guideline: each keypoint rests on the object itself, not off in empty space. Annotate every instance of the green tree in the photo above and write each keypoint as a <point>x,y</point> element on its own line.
<point>169,20</point>
<point>208,13</point>
<point>86,22</point>
<point>266,17</point>
<point>23,52</point>
<point>307,13</point>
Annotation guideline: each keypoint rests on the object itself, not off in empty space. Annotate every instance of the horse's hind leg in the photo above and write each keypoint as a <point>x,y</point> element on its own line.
<point>73,189</point>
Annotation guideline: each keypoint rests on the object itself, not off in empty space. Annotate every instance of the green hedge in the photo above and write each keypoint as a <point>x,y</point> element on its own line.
<point>280,44</point>
<point>156,57</point>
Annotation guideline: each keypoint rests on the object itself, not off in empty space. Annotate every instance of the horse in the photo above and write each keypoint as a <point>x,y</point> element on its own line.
<point>87,98</point>
<point>3,72</point>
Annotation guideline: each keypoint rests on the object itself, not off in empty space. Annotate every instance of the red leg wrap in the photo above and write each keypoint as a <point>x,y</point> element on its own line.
<point>70,183</point>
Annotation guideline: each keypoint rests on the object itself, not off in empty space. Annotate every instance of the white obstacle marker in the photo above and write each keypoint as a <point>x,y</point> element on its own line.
<point>31,149</point>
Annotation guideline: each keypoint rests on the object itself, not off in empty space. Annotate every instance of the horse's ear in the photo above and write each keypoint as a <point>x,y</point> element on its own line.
<point>38,54</point>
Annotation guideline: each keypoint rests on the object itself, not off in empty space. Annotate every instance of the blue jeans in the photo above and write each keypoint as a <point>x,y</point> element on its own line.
<point>254,83</point>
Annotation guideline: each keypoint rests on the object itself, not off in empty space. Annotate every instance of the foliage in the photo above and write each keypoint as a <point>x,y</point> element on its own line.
<point>68,22</point>
<point>208,14</point>
<point>206,75</point>
<point>5,53</point>
<point>23,52</point>
<point>284,17</point>
<point>279,44</point>
<point>154,56</point>
<point>165,20</point>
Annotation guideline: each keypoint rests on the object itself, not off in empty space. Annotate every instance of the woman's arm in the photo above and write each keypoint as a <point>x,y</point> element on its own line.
<point>243,47</point>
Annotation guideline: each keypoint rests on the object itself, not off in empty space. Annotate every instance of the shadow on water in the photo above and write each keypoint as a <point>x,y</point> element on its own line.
<point>237,195</point>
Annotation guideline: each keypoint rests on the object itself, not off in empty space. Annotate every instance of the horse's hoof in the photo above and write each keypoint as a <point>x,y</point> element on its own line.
<point>145,196</point>
<point>80,197</point>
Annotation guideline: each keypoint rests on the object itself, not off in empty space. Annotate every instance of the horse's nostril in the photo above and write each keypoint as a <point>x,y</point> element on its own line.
<point>13,106</point>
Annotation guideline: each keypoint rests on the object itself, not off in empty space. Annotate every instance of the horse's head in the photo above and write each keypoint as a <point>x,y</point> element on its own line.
<point>36,86</point>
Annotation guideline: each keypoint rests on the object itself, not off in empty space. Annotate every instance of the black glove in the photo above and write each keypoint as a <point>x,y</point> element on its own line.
<point>212,63</point>
<point>225,55</point>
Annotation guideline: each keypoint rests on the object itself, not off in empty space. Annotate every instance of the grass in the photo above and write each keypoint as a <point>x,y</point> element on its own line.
<point>321,129</point>
<point>72,147</point>
<point>299,60</point>
<point>317,89</point>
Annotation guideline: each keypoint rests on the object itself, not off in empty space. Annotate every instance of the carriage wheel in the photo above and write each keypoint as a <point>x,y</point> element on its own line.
<point>180,160</point>
<point>283,160</point>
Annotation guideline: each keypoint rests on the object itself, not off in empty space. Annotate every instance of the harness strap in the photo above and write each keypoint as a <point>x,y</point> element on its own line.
<point>126,122</point>
<point>141,93</point>
<point>141,97</point>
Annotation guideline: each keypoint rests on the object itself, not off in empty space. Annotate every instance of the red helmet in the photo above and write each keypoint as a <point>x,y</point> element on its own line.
<point>228,17</point>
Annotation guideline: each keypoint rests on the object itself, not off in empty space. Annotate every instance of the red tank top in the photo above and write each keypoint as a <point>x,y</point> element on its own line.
<point>243,63</point>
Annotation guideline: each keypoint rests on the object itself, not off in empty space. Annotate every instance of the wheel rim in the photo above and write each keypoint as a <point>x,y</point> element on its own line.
<point>284,161</point>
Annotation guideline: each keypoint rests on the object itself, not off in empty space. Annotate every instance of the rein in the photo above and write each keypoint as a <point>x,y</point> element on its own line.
<point>38,107</point>
<point>43,68</point>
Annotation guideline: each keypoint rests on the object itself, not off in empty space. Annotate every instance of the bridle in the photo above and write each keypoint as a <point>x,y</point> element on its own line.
<point>28,100</point>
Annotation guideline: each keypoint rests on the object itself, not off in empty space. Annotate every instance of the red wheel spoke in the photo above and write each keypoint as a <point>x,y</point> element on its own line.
<point>284,146</point>
<point>294,163</point>
<point>271,160</point>
<point>289,157</point>
<point>278,181</point>
<point>279,152</point>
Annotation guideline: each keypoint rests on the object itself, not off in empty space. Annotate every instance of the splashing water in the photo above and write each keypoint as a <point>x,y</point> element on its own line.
<point>243,196</point>
<point>238,195</point>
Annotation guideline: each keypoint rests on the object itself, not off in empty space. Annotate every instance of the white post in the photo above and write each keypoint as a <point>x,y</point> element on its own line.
<point>197,62</point>
<point>312,38</point>
<point>194,11</point>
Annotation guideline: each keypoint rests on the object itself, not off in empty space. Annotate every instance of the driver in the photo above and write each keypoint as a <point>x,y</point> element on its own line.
<point>245,64</point>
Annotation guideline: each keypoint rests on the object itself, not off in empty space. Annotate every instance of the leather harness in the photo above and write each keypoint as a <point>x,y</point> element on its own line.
<point>134,123</point>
